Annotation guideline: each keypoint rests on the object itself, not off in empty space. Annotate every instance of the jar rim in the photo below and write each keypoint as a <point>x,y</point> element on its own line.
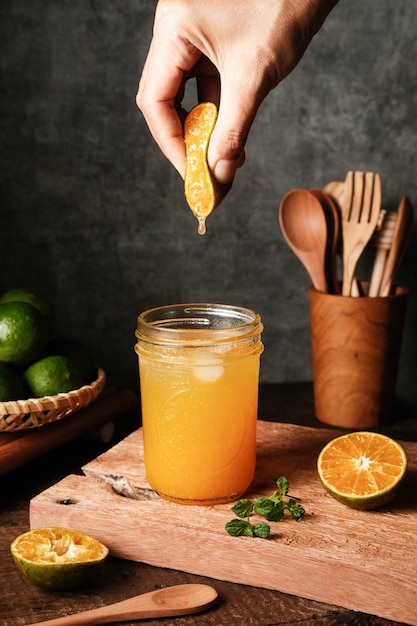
<point>198,323</point>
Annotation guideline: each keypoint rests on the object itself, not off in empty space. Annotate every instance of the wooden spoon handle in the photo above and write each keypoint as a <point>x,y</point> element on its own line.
<point>87,618</point>
<point>134,608</point>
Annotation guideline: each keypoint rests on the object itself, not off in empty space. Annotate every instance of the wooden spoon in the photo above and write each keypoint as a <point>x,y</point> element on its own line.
<point>333,237</point>
<point>303,224</point>
<point>168,602</point>
<point>336,190</point>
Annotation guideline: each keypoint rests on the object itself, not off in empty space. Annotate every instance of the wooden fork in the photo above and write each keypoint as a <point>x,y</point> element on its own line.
<point>360,211</point>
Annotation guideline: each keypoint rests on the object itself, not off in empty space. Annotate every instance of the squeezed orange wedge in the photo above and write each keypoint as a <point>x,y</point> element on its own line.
<point>57,558</point>
<point>202,191</point>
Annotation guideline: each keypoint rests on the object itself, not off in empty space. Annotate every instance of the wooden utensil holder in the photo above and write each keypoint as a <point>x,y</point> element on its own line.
<point>356,345</point>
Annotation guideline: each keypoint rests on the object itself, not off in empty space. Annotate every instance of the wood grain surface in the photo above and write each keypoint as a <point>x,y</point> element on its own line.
<point>356,347</point>
<point>365,561</point>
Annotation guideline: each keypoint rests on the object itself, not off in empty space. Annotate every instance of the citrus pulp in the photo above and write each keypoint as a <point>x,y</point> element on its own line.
<point>57,558</point>
<point>202,191</point>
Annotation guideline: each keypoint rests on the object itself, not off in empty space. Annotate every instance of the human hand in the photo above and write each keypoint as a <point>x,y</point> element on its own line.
<point>238,51</point>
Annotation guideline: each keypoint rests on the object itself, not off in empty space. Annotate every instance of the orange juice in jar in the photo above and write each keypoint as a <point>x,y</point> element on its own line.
<point>199,376</point>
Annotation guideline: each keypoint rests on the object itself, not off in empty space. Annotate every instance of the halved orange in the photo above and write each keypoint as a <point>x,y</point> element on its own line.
<point>57,558</point>
<point>202,191</point>
<point>362,469</point>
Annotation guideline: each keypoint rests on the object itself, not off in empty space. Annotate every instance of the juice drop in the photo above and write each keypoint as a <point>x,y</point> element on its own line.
<point>201,225</point>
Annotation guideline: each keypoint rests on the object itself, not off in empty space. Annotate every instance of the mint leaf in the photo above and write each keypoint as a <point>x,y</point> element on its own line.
<point>262,506</point>
<point>276,512</point>
<point>276,497</point>
<point>270,510</point>
<point>283,485</point>
<point>239,527</point>
<point>242,508</point>
<point>297,511</point>
<point>261,530</point>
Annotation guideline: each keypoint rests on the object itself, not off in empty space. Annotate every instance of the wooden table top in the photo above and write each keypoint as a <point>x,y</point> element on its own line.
<point>22,604</point>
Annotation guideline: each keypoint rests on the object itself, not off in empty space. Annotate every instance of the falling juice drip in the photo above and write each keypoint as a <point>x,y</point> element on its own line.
<point>201,225</point>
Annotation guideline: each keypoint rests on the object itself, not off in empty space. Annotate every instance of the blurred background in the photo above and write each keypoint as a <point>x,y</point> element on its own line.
<point>93,217</point>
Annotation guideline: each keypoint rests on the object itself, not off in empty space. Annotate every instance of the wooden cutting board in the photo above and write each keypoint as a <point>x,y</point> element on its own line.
<point>365,561</point>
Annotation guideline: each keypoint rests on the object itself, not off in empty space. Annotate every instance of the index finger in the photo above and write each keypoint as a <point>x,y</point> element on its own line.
<point>160,92</point>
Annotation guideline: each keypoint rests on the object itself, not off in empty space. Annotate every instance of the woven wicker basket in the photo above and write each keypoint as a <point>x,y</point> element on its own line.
<point>19,414</point>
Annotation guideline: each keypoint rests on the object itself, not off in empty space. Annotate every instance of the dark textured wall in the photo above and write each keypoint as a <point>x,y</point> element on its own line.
<point>93,216</point>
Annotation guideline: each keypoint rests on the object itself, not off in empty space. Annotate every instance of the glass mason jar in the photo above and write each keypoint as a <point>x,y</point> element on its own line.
<point>199,381</point>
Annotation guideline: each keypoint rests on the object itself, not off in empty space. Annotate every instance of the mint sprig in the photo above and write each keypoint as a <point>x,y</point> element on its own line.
<point>242,527</point>
<point>272,509</point>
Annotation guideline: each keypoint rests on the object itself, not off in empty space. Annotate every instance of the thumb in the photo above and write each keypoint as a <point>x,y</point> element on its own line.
<point>226,150</point>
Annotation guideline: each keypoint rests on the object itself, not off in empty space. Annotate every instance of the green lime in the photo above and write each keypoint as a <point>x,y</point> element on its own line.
<point>58,558</point>
<point>11,387</point>
<point>78,353</point>
<point>23,333</point>
<point>51,375</point>
<point>36,300</point>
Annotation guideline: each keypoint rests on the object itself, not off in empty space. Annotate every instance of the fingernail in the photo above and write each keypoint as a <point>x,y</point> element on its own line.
<point>224,171</point>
